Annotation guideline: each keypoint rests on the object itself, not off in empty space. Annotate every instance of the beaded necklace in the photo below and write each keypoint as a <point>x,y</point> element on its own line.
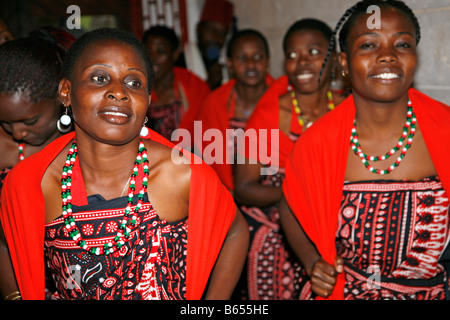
<point>128,218</point>
<point>410,126</point>
<point>303,119</point>
<point>21,151</point>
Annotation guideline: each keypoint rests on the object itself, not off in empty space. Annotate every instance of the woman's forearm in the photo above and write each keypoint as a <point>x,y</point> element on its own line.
<point>297,238</point>
<point>230,261</point>
<point>8,283</point>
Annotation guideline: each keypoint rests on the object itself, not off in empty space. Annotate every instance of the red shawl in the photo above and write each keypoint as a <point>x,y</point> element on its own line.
<point>23,220</point>
<point>315,171</point>
<point>266,116</point>
<point>216,113</point>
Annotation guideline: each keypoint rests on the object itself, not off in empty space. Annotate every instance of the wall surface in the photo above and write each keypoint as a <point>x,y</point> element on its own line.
<point>273,18</point>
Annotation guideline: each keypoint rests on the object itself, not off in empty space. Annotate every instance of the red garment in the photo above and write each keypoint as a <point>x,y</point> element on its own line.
<point>315,171</point>
<point>23,220</point>
<point>219,11</point>
<point>216,112</point>
<point>266,116</point>
<point>193,92</point>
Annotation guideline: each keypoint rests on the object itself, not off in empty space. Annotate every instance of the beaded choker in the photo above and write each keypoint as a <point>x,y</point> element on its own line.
<point>129,218</point>
<point>303,120</point>
<point>410,126</point>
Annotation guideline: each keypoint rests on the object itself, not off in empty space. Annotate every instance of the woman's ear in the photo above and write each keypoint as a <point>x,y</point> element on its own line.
<point>64,90</point>
<point>343,61</point>
<point>175,55</point>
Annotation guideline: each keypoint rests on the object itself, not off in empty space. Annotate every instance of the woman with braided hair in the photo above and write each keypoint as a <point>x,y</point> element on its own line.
<point>288,107</point>
<point>366,204</point>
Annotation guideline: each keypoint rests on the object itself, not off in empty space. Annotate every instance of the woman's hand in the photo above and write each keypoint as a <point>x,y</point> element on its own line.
<point>323,276</point>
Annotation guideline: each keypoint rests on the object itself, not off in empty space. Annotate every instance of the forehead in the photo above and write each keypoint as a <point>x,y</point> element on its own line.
<point>249,39</point>
<point>109,51</point>
<point>19,106</point>
<point>390,18</point>
<point>306,36</point>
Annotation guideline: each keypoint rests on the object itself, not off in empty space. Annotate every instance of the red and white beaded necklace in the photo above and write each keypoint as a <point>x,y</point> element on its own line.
<point>410,126</point>
<point>21,151</point>
<point>128,217</point>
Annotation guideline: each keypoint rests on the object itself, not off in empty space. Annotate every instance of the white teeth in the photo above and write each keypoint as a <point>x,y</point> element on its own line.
<point>387,76</point>
<point>119,114</point>
<point>305,76</point>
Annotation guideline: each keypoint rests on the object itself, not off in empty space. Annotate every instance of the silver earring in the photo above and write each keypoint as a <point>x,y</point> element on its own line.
<point>63,124</point>
<point>144,129</point>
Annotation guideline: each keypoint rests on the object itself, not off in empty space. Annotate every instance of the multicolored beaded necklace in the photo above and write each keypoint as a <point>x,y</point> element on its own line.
<point>128,218</point>
<point>21,151</point>
<point>410,126</point>
<point>302,119</point>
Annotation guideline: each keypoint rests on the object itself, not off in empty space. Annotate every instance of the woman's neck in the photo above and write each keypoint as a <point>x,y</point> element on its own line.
<point>250,95</point>
<point>380,116</point>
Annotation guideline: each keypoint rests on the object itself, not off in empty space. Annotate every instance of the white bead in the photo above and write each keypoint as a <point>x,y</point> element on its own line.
<point>65,120</point>
<point>144,131</point>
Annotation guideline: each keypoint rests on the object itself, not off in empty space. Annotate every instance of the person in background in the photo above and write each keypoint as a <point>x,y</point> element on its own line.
<point>111,209</point>
<point>178,93</point>
<point>5,32</point>
<point>287,108</point>
<point>31,115</point>
<point>206,57</point>
<point>366,205</point>
<point>30,111</point>
<point>229,107</point>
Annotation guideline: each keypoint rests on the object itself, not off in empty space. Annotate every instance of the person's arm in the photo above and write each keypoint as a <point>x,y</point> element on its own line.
<point>248,189</point>
<point>322,274</point>
<point>8,285</point>
<point>230,261</point>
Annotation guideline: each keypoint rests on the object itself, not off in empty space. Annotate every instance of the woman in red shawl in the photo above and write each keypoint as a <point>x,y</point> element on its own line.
<point>101,207</point>
<point>286,109</point>
<point>229,107</point>
<point>178,93</point>
<point>367,189</point>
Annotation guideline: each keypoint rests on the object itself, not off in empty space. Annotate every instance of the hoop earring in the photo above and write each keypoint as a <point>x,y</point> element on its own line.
<point>64,123</point>
<point>144,129</point>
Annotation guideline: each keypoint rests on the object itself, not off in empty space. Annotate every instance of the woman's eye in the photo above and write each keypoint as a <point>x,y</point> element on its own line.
<point>292,55</point>
<point>30,122</point>
<point>404,45</point>
<point>99,79</point>
<point>314,52</point>
<point>133,83</point>
<point>367,46</point>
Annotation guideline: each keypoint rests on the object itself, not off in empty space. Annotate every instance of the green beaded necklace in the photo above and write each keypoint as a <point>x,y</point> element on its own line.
<point>128,218</point>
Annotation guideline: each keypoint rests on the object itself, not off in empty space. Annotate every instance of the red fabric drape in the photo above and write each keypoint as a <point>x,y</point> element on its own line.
<point>315,170</point>
<point>215,114</point>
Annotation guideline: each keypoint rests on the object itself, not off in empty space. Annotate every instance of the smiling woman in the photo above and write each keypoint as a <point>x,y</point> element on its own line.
<point>368,214</point>
<point>108,194</point>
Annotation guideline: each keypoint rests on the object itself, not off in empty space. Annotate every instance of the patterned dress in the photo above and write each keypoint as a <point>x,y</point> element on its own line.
<point>166,118</point>
<point>393,236</point>
<point>151,265</point>
<point>273,270</point>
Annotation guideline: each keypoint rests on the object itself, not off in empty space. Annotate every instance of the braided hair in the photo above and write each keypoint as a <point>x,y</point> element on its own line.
<point>347,21</point>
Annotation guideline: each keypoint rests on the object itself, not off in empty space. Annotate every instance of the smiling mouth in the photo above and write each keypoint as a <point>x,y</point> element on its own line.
<point>305,76</point>
<point>116,114</point>
<point>386,76</point>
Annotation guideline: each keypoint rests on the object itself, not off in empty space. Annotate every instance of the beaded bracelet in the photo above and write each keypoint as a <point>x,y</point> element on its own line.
<point>13,296</point>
